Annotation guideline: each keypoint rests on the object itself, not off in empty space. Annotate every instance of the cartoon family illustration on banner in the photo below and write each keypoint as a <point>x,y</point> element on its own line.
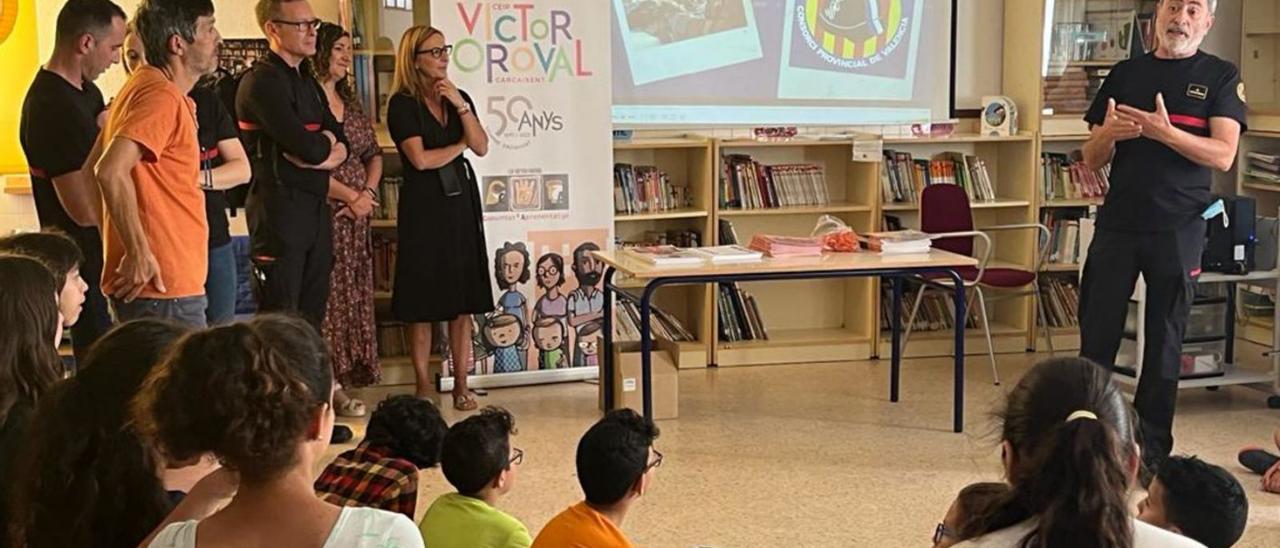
<point>563,327</point>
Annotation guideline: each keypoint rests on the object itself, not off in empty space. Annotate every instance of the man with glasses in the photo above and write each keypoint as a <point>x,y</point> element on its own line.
<point>616,460</point>
<point>478,460</point>
<point>293,142</point>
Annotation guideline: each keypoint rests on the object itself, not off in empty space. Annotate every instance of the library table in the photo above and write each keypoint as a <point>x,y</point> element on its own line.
<point>828,265</point>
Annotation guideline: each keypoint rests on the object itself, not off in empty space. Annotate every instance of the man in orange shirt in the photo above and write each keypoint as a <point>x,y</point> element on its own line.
<point>616,459</point>
<point>155,230</point>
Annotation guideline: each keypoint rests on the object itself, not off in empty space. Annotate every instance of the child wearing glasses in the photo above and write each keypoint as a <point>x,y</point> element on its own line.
<point>478,460</point>
<point>616,459</point>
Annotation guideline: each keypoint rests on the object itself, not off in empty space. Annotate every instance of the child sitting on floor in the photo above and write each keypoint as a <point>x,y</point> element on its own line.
<point>404,436</point>
<point>1264,463</point>
<point>477,458</point>
<point>1198,500</point>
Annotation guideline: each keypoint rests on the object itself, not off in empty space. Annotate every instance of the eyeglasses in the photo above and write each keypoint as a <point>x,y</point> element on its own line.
<point>941,532</point>
<point>657,461</point>
<point>301,26</point>
<point>517,456</point>
<point>436,52</point>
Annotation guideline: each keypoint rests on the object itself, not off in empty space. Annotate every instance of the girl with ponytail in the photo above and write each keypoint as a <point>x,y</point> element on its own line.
<point>1070,457</point>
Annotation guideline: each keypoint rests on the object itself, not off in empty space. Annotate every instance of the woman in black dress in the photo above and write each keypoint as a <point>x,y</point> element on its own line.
<point>441,270</point>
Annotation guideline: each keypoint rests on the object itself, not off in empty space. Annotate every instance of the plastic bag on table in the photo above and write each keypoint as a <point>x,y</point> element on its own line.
<point>835,234</point>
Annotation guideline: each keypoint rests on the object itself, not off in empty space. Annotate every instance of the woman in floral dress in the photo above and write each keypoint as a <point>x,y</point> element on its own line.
<point>349,317</point>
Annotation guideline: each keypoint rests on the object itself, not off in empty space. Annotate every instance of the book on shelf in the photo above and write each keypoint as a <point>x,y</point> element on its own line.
<point>1064,242</point>
<point>1065,176</point>
<point>666,255</point>
<point>384,260</point>
<point>678,238</point>
<point>1265,167</point>
<point>936,311</point>
<point>748,184</point>
<point>388,198</point>
<point>732,298</point>
<point>662,325</point>
<point>903,177</point>
<point>1061,298</point>
<point>739,315</point>
<point>645,189</point>
<point>727,254</point>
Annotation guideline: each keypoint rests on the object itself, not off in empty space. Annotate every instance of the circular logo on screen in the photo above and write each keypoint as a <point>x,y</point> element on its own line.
<point>851,33</point>
<point>995,114</point>
<point>8,18</point>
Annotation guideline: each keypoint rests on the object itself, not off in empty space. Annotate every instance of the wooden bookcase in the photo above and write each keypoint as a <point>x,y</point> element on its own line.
<point>810,320</point>
<point>1011,164</point>
<point>690,163</point>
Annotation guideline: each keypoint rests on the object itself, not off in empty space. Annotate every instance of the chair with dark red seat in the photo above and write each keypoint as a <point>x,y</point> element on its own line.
<point>945,214</point>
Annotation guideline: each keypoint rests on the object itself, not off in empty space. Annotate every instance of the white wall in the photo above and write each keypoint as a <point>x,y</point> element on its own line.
<point>979,43</point>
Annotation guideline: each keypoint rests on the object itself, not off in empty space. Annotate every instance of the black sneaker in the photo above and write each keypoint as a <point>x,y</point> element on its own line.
<point>341,434</point>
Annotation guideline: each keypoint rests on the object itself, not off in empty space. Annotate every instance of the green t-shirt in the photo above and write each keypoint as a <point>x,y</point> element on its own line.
<point>457,521</point>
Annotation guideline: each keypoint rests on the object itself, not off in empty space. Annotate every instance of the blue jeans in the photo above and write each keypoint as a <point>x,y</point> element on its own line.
<point>185,310</point>
<point>220,285</point>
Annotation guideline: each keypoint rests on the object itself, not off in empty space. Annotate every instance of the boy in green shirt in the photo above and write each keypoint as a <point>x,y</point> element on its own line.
<point>478,460</point>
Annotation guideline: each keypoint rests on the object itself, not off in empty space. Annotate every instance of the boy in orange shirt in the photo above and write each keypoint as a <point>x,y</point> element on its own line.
<point>155,232</point>
<point>616,459</point>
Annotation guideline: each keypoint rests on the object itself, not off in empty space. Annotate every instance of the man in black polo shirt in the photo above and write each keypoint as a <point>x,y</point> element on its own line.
<point>1164,121</point>
<point>58,130</point>
<point>293,142</point>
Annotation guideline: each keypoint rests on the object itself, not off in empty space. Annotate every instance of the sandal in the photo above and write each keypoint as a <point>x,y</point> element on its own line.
<point>351,408</point>
<point>464,402</point>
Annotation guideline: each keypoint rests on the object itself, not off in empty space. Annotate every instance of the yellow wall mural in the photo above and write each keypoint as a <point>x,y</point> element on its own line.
<point>18,62</point>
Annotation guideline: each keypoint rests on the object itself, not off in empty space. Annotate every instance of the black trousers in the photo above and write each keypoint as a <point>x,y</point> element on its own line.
<point>291,235</point>
<point>95,317</point>
<point>1169,263</point>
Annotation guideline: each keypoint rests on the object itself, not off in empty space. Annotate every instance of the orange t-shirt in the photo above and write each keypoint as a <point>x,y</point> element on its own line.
<point>152,112</point>
<point>581,527</point>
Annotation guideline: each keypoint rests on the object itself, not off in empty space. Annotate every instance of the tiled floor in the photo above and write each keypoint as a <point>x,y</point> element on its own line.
<point>815,455</point>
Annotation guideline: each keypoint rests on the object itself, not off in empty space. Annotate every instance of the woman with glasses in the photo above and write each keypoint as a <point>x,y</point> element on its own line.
<point>441,271</point>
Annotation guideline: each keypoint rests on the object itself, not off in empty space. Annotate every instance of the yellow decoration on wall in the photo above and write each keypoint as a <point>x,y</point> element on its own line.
<point>18,62</point>
<point>8,18</point>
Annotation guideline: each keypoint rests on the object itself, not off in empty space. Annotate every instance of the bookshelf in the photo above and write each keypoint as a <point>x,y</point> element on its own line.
<point>1011,166</point>
<point>688,163</point>
<point>1260,62</point>
<point>809,321</point>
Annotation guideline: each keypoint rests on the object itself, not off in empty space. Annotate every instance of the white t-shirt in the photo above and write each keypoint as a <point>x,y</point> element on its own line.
<point>1144,536</point>
<point>355,528</point>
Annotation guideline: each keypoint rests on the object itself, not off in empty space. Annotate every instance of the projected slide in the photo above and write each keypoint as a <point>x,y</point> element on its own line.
<point>753,62</point>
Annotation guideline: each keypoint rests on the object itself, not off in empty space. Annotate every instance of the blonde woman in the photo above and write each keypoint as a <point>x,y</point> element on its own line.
<point>441,271</point>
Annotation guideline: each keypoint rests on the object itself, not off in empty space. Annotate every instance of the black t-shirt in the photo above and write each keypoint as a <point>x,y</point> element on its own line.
<point>216,125</point>
<point>58,128</point>
<point>1153,187</point>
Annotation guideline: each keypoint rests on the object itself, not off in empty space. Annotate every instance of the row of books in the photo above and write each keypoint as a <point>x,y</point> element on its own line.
<point>739,315</point>
<point>936,312</point>
<point>646,189</point>
<point>384,261</point>
<point>748,184</point>
<point>1065,236</point>
<point>661,324</point>
<point>1069,89</point>
<point>1065,176</point>
<point>678,237</point>
<point>740,318</point>
<point>903,176</point>
<point>388,198</point>
<point>1264,166</point>
<point>1061,298</point>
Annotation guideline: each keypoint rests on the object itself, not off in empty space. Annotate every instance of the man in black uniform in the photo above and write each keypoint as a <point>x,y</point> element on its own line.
<point>1164,121</point>
<point>60,123</point>
<point>293,142</point>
